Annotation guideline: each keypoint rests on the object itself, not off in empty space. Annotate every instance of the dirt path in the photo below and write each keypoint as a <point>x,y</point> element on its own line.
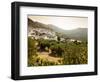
<point>45,55</point>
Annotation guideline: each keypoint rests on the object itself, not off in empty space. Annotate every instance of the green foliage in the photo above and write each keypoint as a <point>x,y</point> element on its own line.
<point>58,38</point>
<point>75,54</point>
<point>57,49</point>
<point>43,44</point>
<point>42,62</point>
<point>31,51</point>
<point>69,52</point>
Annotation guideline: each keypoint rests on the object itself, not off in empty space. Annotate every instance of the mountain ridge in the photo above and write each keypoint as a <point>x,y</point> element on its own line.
<point>78,33</point>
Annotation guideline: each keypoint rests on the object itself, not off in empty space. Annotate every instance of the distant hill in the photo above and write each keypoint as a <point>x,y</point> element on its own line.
<point>55,28</point>
<point>35,24</point>
<point>79,33</point>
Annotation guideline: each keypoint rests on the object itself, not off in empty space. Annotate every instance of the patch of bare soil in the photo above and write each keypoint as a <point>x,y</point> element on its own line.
<point>45,55</point>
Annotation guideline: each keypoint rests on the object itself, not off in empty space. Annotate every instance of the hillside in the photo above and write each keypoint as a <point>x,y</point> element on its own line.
<point>35,24</point>
<point>50,45</point>
<point>79,33</point>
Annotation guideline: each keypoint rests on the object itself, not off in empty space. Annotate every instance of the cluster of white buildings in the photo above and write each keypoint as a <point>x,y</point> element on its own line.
<point>41,33</point>
<point>73,40</point>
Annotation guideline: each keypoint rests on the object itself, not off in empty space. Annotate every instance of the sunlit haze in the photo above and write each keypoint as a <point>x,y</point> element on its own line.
<point>66,23</point>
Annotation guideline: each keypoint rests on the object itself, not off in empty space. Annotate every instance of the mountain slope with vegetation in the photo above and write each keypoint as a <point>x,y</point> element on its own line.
<point>35,24</point>
<point>78,34</point>
<point>50,45</point>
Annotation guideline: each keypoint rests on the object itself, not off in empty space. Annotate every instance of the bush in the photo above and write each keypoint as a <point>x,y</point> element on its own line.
<point>70,52</point>
<point>57,49</point>
<point>44,45</point>
<point>31,51</point>
<point>75,54</point>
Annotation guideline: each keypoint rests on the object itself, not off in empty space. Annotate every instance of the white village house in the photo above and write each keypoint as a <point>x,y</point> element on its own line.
<point>40,33</point>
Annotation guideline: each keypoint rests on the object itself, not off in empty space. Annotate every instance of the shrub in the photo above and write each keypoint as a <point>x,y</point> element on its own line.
<point>57,49</point>
<point>44,45</point>
<point>31,51</point>
<point>75,54</point>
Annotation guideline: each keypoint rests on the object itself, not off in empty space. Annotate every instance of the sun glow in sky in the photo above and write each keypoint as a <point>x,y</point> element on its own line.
<point>66,23</point>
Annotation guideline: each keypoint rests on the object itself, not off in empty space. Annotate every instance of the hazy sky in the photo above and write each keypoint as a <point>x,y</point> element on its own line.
<point>66,23</point>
